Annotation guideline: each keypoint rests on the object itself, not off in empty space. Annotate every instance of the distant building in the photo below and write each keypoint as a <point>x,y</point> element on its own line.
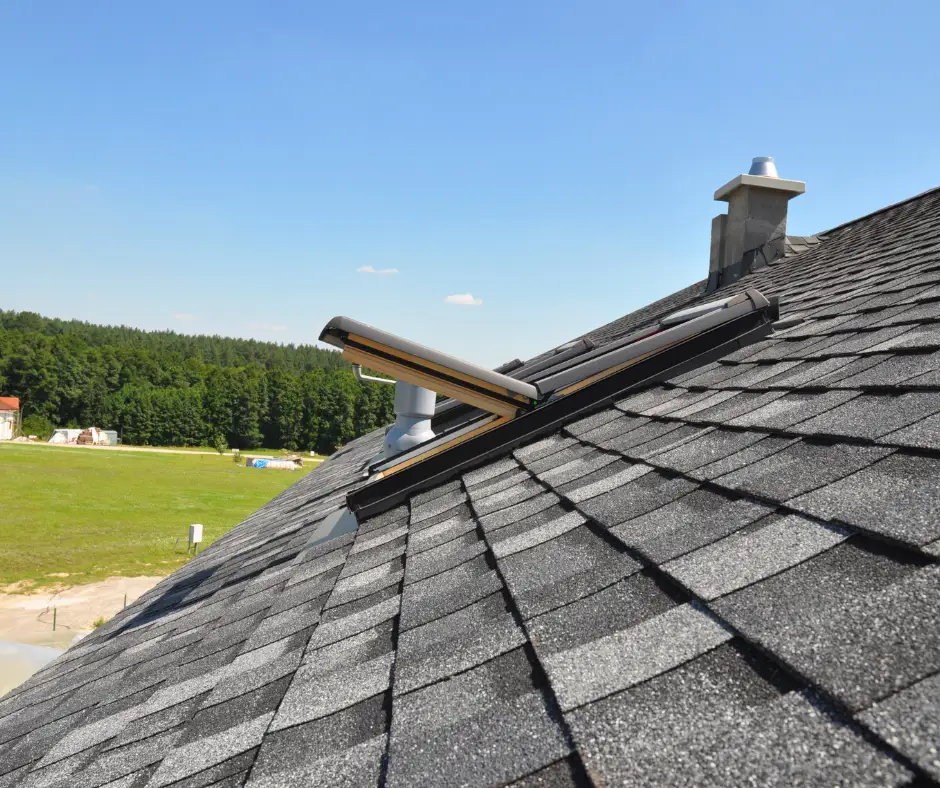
<point>9,417</point>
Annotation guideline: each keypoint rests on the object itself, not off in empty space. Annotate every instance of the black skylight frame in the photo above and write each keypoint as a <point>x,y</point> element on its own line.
<point>696,351</point>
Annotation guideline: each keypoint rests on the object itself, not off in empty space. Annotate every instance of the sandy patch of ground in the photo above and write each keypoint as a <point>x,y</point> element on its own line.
<point>27,617</point>
<point>18,662</point>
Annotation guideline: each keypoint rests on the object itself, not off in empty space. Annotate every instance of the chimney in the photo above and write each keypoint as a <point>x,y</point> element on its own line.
<point>755,227</point>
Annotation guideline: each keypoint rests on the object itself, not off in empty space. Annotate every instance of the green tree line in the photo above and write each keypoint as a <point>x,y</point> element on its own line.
<point>161,388</point>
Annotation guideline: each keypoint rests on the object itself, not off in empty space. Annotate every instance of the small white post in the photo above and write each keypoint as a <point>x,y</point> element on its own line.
<point>195,536</point>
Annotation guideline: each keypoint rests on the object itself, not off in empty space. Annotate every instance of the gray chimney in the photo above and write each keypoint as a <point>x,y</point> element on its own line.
<point>756,223</point>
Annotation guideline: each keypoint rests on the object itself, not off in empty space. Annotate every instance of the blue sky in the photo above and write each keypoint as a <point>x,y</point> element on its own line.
<point>227,167</point>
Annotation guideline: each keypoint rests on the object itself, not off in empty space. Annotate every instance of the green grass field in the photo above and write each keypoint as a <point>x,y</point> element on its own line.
<point>94,514</point>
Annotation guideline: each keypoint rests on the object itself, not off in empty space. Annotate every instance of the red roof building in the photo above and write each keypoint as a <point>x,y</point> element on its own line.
<point>9,403</point>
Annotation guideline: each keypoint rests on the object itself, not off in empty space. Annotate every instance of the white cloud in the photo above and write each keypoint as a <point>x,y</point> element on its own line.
<point>184,316</point>
<point>464,299</point>
<point>368,269</point>
<point>267,326</point>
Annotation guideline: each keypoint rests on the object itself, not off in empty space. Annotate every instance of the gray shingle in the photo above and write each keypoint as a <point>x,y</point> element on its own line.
<point>357,765</point>
<point>436,506</point>
<point>525,525</point>
<point>872,415</point>
<point>808,373</point>
<point>447,592</point>
<point>927,336</point>
<point>537,535</point>
<point>908,721</point>
<point>243,682</point>
<point>576,469</point>
<point>674,438</point>
<point>617,607</point>
<point>800,468</point>
<point>199,755</point>
<point>707,376</point>
<point>519,511</point>
<point>789,409</point>
<point>857,343</point>
<point>446,556</point>
<point>691,521</point>
<point>608,477</point>
<point>640,402</point>
<point>345,627</point>
<point>750,376</point>
<point>923,434</point>
<point>752,453</point>
<point>495,713</point>
<point>440,533</point>
<point>714,398</point>
<point>376,538</point>
<point>560,774</point>
<point>506,498</point>
<point>490,471</point>
<point>684,399</point>
<point>623,659</point>
<point>553,461</point>
<point>117,763</point>
<point>314,693</point>
<point>566,568</point>
<point>898,497</point>
<point>533,452</point>
<point>345,748</point>
<point>365,583</point>
<point>892,370</point>
<point>455,643</point>
<point>630,500</point>
<point>751,555</point>
<point>710,446</point>
<point>504,483</point>
<point>628,441</point>
<point>851,622</point>
<point>668,732</point>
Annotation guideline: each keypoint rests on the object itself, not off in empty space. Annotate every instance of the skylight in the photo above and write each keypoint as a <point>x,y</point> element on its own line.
<point>408,361</point>
<point>578,380</point>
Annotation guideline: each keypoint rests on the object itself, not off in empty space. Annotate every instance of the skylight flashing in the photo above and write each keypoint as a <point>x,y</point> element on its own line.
<point>697,311</point>
<point>585,388</point>
<point>652,341</point>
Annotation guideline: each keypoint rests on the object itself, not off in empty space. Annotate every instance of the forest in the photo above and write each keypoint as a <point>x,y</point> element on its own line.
<point>160,388</point>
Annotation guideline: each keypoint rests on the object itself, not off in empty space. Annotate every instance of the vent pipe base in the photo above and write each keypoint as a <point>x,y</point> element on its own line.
<point>414,407</point>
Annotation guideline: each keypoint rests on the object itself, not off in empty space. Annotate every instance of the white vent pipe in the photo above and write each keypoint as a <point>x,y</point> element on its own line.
<point>414,407</point>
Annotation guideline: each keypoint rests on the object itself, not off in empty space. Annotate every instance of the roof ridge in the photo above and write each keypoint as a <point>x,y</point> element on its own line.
<point>886,208</point>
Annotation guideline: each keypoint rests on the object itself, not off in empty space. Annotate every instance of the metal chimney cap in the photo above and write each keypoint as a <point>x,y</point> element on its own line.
<point>763,165</point>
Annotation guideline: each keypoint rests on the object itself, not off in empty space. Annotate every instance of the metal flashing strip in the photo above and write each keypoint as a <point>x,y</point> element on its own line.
<point>338,523</point>
<point>666,362</point>
<point>439,440</point>
<point>648,341</point>
<point>430,448</point>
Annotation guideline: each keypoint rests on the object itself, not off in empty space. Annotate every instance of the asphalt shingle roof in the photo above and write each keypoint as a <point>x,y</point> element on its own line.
<point>730,577</point>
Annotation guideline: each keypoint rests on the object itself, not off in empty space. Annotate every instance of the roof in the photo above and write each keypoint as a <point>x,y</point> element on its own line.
<point>728,578</point>
<point>9,403</point>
